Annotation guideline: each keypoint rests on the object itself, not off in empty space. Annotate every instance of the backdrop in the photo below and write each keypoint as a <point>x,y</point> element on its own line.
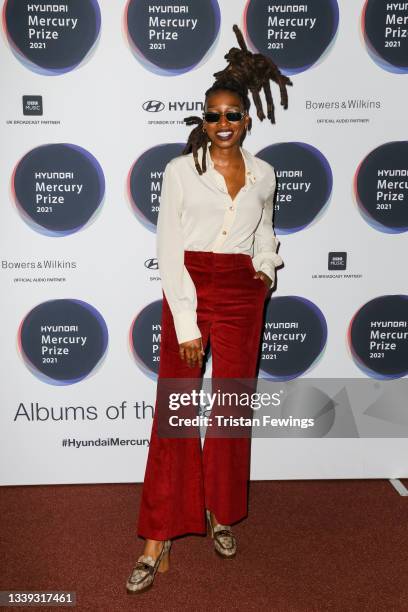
<point>94,94</point>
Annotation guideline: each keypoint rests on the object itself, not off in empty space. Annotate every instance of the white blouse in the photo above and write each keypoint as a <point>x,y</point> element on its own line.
<point>198,214</point>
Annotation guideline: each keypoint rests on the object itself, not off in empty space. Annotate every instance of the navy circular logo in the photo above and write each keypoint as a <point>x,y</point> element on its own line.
<point>378,337</point>
<point>304,184</point>
<point>58,188</point>
<point>145,337</point>
<point>145,180</point>
<point>381,187</point>
<point>63,341</point>
<point>294,337</point>
<point>170,38</point>
<point>384,25</point>
<point>52,37</point>
<point>296,36</point>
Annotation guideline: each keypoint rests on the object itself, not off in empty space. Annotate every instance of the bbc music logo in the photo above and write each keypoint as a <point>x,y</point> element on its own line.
<point>337,260</point>
<point>32,105</point>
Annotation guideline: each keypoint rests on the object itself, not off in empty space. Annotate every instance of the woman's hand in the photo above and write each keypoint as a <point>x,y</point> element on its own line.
<point>266,279</point>
<point>192,352</point>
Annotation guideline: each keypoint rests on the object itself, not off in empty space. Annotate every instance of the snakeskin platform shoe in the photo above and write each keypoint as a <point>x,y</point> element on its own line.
<point>225,543</point>
<point>145,570</point>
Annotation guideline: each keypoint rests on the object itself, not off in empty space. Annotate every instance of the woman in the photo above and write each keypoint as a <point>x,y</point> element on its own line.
<point>217,255</point>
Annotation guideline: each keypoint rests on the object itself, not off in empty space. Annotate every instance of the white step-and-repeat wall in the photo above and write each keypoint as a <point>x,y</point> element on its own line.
<point>94,93</point>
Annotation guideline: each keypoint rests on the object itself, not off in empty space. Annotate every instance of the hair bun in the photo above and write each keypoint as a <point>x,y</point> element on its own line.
<point>245,71</point>
<point>254,71</point>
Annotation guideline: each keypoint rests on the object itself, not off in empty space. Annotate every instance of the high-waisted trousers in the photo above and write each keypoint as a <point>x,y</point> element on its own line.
<point>182,479</point>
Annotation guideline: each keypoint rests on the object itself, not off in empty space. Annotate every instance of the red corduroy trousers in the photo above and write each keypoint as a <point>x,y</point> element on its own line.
<point>181,478</point>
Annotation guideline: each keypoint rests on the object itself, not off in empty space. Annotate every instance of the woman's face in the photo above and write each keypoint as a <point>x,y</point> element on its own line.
<point>223,133</point>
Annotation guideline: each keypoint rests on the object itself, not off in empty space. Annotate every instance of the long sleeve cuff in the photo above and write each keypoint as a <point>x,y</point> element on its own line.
<point>186,327</point>
<point>266,262</point>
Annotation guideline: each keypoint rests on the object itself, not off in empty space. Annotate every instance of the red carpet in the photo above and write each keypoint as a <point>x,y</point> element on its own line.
<point>306,546</point>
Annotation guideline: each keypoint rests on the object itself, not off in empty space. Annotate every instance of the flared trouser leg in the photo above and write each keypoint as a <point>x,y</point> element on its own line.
<point>181,479</point>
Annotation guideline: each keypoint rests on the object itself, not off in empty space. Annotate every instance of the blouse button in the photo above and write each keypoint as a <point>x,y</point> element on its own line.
<point>224,232</point>
<point>231,208</point>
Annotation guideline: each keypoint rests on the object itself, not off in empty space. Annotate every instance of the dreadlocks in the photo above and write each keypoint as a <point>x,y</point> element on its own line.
<point>245,71</point>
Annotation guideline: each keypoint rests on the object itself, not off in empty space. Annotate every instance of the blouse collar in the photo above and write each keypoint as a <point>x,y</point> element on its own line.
<point>252,170</point>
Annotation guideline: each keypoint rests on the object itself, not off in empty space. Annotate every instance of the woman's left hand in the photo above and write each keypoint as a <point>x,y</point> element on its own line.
<point>265,278</point>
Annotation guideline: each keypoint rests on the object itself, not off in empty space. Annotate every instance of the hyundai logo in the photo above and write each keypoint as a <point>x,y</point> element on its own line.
<point>151,264</point>
<point>153,106</point>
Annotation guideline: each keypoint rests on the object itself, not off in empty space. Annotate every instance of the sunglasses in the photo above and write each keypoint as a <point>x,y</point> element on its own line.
<point>213,117</point>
